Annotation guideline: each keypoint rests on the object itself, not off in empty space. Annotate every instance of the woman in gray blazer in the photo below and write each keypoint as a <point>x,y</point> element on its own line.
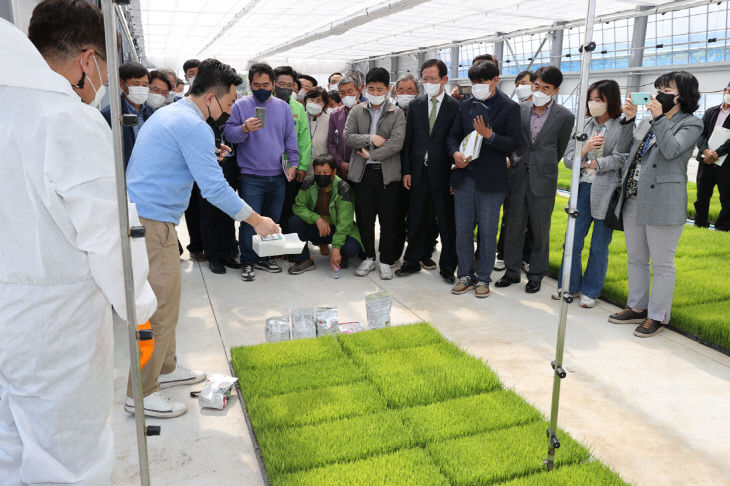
<point>654,197</point>
<point>601,163</point>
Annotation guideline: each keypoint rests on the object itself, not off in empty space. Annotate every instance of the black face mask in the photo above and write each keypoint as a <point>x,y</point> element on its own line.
<point>283,93</point>
<point>216,124</point>
<point>667,101</point>
<point>323,180</point>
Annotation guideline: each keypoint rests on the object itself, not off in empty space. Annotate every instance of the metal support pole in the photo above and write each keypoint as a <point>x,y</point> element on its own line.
<point>454,62</point>
<point>110,32</point>
<point>499,50</point>
<point>556,52</point>
<point>420,59</point>
<point>394,67</point>
<point>580,137</point>
<point>512,53</point>
<point>638,41</point>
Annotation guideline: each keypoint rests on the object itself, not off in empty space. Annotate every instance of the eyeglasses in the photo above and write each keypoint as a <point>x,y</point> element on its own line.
<point>284,85</point>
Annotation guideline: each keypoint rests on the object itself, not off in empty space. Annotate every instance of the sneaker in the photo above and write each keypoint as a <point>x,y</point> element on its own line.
<point>499,265</point>
<point>525,267</point>
<point>558,294</point>
<point>247,273</point>
<point>481,290</point>
<point>395,263</point>
<point>587,302</point>
<point>180,376</point>
<point>385,272</point>
<point>158,405</point>
<point>301,267</point>
<point>269,265</point>
<point>428,264</point>
<point>367,266</point>
<point>463,285</point>
<point>628,316</point>
<point>648,328</point>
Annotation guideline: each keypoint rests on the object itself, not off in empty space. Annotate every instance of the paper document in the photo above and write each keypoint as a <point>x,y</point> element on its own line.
<point>719,136</point>
<point>471,146</point>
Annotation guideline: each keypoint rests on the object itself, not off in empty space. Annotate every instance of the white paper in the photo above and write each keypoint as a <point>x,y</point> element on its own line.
<point>288,244</point>
<point>719,136</point>
<point>471,146</point>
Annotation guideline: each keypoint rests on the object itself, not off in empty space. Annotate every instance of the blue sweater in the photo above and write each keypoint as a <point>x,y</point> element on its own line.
<point>174,148</point>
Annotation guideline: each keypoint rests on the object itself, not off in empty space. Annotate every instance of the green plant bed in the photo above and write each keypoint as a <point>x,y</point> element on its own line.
<point>593,474</point>
<point>415,410</point>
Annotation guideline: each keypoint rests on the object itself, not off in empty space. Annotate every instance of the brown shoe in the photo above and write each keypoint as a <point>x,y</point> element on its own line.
<point>324,250</point>
<point>627,316</point>
<point>463,285</point>
<point>648,328</point>
<point>481,290</point>
<point>198,256</point>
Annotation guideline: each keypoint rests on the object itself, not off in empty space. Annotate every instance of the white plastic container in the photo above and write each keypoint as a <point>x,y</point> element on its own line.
<point>279,244</point>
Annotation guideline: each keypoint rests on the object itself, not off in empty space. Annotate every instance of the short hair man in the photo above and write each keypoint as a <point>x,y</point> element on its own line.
<point>190,68</point>
<point>134,80</point>
<point>175,148</point>
<point>546,129</point>
<point>306,83</point>
<point>171,96</point>
<point>159,89</point>
<point>350,90</point>
<point>333,80</point>
<point>406,89</point>
<point>259,149</point>
<point>375,131</point>
<point>179,86</point>
<point>477,59</point>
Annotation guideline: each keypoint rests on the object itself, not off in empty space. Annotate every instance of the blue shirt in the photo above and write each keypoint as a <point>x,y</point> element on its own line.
<point>174,148</point>
<point>140,116</point>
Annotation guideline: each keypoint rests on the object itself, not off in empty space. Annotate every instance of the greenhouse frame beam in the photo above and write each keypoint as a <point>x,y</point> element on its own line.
<point>238,16</point>
<point>638,42</point>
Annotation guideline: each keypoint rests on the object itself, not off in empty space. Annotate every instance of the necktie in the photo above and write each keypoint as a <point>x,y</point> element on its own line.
<point>432,116</point>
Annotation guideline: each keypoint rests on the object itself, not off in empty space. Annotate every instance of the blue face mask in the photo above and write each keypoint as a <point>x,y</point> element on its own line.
<point>262,94</point>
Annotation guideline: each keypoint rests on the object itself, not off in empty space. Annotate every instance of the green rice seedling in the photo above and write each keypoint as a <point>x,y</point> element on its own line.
<point>501,455</point>
<point>287,353</point>
<point>708,321</point>
<point>468,416</point>
<point>315,406</point>
<point>390,338</point>
<point>307,447</point>
<point>266,382</point>
<point>591,474</point>
<point>700,242</point>
<point>410,467</point>
<point>715,205</point>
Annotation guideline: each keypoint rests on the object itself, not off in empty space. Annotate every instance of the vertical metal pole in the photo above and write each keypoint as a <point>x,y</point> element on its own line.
<point>636,55</point>
<point>556,51</point>
<point>580,137</point>
<point>110,31</point>
<point>454,63</point>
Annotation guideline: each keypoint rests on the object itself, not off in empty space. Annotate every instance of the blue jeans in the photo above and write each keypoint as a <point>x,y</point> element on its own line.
<point>471,206</point>
<point>310,232</point>
<point>591,282</point>
<point>265,195</point>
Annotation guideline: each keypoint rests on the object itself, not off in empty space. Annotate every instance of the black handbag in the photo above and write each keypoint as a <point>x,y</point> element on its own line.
<point>612,221</point>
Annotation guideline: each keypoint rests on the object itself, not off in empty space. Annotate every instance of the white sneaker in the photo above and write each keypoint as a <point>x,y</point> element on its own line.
<point>367,266</point>
<point>587,302</point>
<point>158,405</point>
<point>499,265</point>
<point>181,376</point>
<point>557,295</point>
<point>385,272</point>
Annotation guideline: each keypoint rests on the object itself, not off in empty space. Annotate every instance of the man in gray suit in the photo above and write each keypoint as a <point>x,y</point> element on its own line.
<point>533,173</point>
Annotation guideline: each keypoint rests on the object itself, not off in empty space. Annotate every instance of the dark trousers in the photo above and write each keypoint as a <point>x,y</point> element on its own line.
<point>192,221</point>
<point>432,230</point>
<point>218,230</point>
<point>527,248</point>
<point>709,176</point>
<point>265,195</point>
<point>373,198</point>
<point>425,203</point>
<point>290,194</point>
<point>310,233</point>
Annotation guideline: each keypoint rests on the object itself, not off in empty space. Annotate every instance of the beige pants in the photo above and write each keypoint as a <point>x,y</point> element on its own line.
<point>164,278</point>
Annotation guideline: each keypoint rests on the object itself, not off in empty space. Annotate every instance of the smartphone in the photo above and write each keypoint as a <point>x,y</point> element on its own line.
<point>640,98</point>
<point>464,89</point>
<point>261,115</point>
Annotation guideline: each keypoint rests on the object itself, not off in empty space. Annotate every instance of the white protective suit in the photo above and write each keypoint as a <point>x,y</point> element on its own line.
<point>60,275</point>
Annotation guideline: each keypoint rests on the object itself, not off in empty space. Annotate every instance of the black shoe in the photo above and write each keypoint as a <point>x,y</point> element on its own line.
<point>231,262</point>
<point>269,265</point>
<point>506,281</point>
<point>428,263</point>
<point>448,276</point>
<point>344,263</point>
<point>198,256</point>
<point>628,316</point>
<point>216,267</point>
<point>407,269</point>
<point>648,328</point>
<point>248,274</point>
<point>533,286</point>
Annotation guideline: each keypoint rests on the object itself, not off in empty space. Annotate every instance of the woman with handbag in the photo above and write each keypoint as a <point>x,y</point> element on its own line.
<point>654,198</point>
<point>600,174</point>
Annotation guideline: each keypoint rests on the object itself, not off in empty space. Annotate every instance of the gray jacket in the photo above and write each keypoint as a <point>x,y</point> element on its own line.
<point>608,177</point>
<point>662,191</point>
<point>391,126</point>
<point>538,162</point>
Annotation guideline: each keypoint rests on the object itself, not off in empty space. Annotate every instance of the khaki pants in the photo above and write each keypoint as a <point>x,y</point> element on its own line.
<point>164,278</point>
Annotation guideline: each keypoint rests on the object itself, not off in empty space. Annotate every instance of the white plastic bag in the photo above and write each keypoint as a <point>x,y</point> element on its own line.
<point>302,323</point>
<point>378,309</point>
<point>217,392</point>
<point>277,329</point>
<point>327,320</point>
<point>279,244</point>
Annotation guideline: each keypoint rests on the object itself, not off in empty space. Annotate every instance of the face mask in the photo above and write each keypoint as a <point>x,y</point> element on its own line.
<point>375,100</point>
<point>171,97</point>
<point>404,100</point>
<point>349,101</point>
<point>323,180</point>
<point>726,98</point>
<point>155,100</point>
<point>302,93</point>
<point>523,92</point>
<point>597,108</point>
<point>283,94</point>
<point>667,101</point>
<point>481,91</point>
<point>191,81</point>
<point>432,89</point>
<point>138,94</point>
<point>314,109</point>
<point>333,87</point>
<point>217,123</point>
<point>98,95</point>
<point>261,94</point>
<point>540,99</point>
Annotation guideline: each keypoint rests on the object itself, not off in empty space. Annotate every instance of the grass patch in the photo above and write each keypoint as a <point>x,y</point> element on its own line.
<point>286,353</point>
<point>411,467</point>
<point>593,473</point>
<point>390,338</point>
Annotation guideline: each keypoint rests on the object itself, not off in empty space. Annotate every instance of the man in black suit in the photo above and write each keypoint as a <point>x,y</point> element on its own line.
<point>426,170</point>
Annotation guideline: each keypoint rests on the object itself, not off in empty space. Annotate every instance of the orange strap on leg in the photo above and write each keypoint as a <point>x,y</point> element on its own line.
<point>146,341</point>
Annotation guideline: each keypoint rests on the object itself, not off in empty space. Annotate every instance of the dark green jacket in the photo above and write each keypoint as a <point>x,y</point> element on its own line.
<point>342,209</point>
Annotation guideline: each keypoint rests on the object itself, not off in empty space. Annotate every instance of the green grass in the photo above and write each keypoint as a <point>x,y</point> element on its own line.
<point>402,407</point>
<point>593,474</point>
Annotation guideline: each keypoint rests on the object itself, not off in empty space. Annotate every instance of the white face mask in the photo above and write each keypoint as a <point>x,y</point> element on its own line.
<point>481,91</point>
<point>171,97</point>
<point>314,109</point>
<point>98,95</point>
<point>333,87</point>
<point>155,100</point>
<point>404,100</point>
<point>302,93</point>
<point>726,98</point>
<point>540,99</point>
<point>597,108</point>
<point>375,100</point>
<point>138,94</point>
<point>349,101</point>
<point>523,91</point>
<point>432,89</point>
<point>191,81</point>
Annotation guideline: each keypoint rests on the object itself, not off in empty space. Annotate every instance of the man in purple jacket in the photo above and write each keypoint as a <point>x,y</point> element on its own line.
<point>350,90</point>
<point>259,150</point>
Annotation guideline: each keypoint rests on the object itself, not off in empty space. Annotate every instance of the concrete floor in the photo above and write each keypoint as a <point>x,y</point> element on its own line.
<point>655,410</point>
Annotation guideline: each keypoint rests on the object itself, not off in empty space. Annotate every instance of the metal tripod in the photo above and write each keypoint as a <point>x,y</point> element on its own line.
<point>580,137</point>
